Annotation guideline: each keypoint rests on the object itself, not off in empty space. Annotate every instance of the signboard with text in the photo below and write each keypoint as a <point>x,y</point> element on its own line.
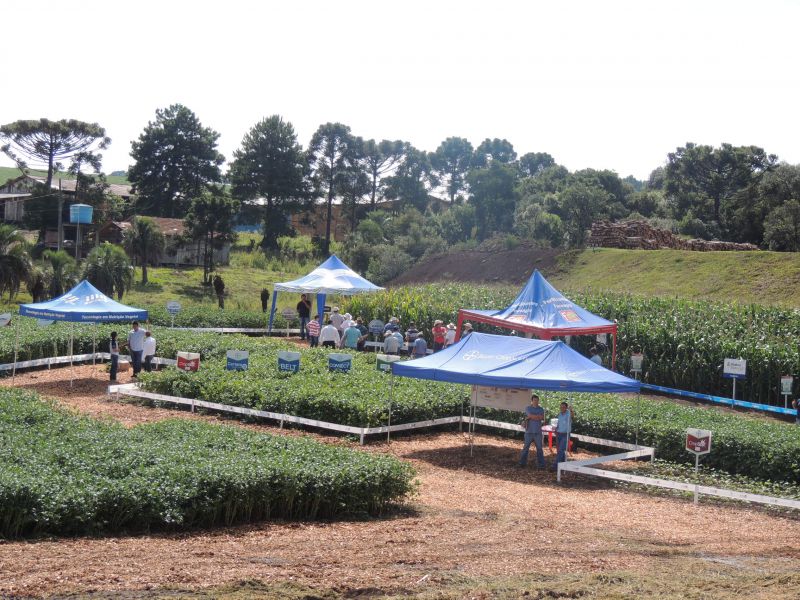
<point>698,441</point>
<point>516,399</point>
<point>787,383</point>
<point>173,307</point>
<point>376,327</point>
<point>384,362</point>
<point>188,361</point>
<point>237,360</point>
<point>734,368</point>
<point>636,362</point>
<point>340,362</point>
<point>288,362</point>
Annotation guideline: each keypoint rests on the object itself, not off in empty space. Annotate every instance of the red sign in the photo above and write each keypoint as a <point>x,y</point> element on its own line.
<point>570,315</point>
<point>698,441</point>
<point>188,361</point>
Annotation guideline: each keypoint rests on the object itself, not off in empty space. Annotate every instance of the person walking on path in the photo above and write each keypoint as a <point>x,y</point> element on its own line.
<point>563,429</point>
<point>136,347</point>
<point>304,312</point>
<point>113,349</point>
<point>534,418</point>
<point>149,350</point>
<point>313,332</point>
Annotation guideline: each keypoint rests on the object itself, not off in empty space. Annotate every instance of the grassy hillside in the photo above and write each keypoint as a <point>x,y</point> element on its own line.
<point>745,277</point>
<point>7,173</point>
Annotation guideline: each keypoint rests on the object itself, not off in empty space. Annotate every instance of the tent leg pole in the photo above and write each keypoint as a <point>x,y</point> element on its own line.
<point>391,399</point>
<point>614,351</point>
<point>71,353</point>
<point>16,350</point>
<point>94,344</point>
<point>638,417</point>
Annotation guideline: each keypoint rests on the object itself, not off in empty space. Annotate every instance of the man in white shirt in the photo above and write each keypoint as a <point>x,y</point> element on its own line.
<point>329,336</point>
<point>336,318</point>
<point>136,346</point>
<point>149,350</point>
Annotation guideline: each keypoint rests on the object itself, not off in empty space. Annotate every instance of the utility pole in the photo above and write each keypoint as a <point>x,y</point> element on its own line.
<point>60,215</point>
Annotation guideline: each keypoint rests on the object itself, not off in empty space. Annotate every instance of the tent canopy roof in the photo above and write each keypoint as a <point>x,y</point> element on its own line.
<point>331,277</point>
<point>85,304</point>
<point>541,307</point>
<point>508,361</point>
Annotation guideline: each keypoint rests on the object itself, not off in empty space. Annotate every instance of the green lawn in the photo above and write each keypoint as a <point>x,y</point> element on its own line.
<point>745,277</point>
<point>7,173</point>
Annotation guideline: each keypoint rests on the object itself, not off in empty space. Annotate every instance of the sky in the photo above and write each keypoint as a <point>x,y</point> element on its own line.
<point>602,84</point>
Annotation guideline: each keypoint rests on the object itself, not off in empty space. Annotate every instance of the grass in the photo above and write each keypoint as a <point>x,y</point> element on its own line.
<point>744,277</point>
<point>7,173</point>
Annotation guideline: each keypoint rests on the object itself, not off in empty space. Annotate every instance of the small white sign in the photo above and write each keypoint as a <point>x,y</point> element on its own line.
<point>698,441</point>
<point>787,383</point>
<point>289,313</point>
<point>5,319</point>
<point>173,307</point>
<point>636,362</point>
<point>735,368</point>
<point>602,338</point>
<point>516,399</point>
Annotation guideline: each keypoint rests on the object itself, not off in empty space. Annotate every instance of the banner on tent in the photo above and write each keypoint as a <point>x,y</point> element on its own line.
<point>340,362</point>
<point>237,360</point>
<point>288,362</point>
<point>188,361</point>
<point>515,399</point>
<point>384,362</point>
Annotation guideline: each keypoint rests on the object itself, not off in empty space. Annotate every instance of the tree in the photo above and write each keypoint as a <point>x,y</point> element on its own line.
<point>782,227</point>
<point>15,262</point>
<point>144,242</point>
<point>451,161</point>
<point>412,179</point>
<point>492,194</point>
<point>176,159</point>
<point>533,163</point>
<point>380,159</point>
<point>271,165</point>
<point>579,205</point>
<point>63,272</point>
<point>332,156</point>
<point>109,270</point>
<point>52,142</point>
<point>210,224</point>
<point>494,150</point>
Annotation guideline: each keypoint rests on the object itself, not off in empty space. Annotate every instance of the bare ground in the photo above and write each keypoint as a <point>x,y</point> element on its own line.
<point>477,528</point>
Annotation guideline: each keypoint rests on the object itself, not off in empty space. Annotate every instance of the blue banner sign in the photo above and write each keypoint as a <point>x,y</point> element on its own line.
<point>238,360</point>
<point>340,362</point>
<point>288,362</point>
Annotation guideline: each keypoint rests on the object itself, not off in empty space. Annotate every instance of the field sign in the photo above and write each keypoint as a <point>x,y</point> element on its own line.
<point>384,362</point>
<point>288,362</point>
<point>340,362</point>
<point>376,327</point>
<point>787,383</point>
<point>734,368</point>
<point>173,307</point>
<point>698,441</point>
<point>502,398</point>
<point>636,362</point>
<point>289,313</point>
<point>237,360</point>
<point>188,361</point>
<point>5,319</point>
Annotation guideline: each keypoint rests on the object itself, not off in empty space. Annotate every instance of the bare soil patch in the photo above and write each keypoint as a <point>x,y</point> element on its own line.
<point>475,518</point>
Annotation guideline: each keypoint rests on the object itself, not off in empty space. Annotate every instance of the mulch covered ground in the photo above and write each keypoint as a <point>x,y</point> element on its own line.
<point>473,516</point>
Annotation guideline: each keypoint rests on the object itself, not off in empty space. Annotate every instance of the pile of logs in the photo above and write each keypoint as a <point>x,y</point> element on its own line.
<point>640,235</point>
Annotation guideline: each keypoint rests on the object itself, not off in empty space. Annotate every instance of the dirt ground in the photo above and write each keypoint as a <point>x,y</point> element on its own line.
<point>478,528</point>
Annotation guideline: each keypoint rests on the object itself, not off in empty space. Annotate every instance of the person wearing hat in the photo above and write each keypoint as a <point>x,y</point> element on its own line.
<point>336,319</point>
<point>450,336</point>
<point>393,324</point>
<point>467,330</point>
<point>439,332</point>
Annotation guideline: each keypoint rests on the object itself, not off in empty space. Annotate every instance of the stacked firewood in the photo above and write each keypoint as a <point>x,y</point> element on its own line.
<point>640,235</point>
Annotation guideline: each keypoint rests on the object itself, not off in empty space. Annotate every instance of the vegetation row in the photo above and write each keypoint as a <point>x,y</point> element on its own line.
<point>70,475</point>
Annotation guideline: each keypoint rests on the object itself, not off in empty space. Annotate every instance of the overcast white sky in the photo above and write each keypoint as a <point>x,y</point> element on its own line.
<point>603,84</point>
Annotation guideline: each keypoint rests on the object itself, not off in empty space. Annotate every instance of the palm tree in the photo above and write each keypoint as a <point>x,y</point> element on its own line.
<point>109,270</point>
<point>144,242</point>
<point>63,272</point>
<point>15,260</point>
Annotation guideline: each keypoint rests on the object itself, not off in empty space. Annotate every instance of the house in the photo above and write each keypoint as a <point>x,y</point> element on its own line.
<point>178,252</point>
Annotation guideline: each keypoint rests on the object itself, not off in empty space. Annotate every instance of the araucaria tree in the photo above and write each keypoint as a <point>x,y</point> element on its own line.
<point>210,224</point>
<point>144,241</point>
<point>332,156</point>
<point>176,159</point>
<point>270,167</point>
<point>50,142</point>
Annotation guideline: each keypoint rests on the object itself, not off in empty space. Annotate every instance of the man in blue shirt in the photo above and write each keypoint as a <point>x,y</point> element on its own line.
<point>534,417</point>
<point>351,336</point>
<point>563,429</point>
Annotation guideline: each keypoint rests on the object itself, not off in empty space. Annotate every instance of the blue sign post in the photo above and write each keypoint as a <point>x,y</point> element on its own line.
<point>238,360</point>
<point>340,362</point>
<point>288,362</point>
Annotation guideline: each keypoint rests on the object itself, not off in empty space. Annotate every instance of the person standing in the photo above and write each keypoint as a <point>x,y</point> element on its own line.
<point>136,346</point>
<point>304,312</point>
<point>148,350</point>
<point>364,333</point>
<point>534,417</point>
<point>563,429</point>
<point>439,332</point>
<point>595,357</point>
<point>351,336</point>
<point>420,347</point>
<point>796,406</point>
<point>313,332</point>
<point>336,319</point>
<point>329,336</point>
<point>391,343</point>
<point>467,330</point>
<point>450,336</point>
<point>113,349</point>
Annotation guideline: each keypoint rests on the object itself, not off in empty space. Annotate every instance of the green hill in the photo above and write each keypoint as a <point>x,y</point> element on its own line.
<point>745,277</point>
<point>7,173</point>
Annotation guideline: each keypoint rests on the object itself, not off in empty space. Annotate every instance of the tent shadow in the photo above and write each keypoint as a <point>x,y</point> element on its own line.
<point>499,462</point>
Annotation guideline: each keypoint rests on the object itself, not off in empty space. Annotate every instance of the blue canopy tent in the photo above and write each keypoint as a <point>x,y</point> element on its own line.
<point>512,362</point>
<point>82,304</point>
<point>331,277</point>
<point>541,310</point>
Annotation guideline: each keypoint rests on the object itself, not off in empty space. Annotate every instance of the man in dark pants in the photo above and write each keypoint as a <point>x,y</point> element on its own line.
<point>136,346</point>
<point>534,417</point>
<point>113,349</point>
<point>304,312</point>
